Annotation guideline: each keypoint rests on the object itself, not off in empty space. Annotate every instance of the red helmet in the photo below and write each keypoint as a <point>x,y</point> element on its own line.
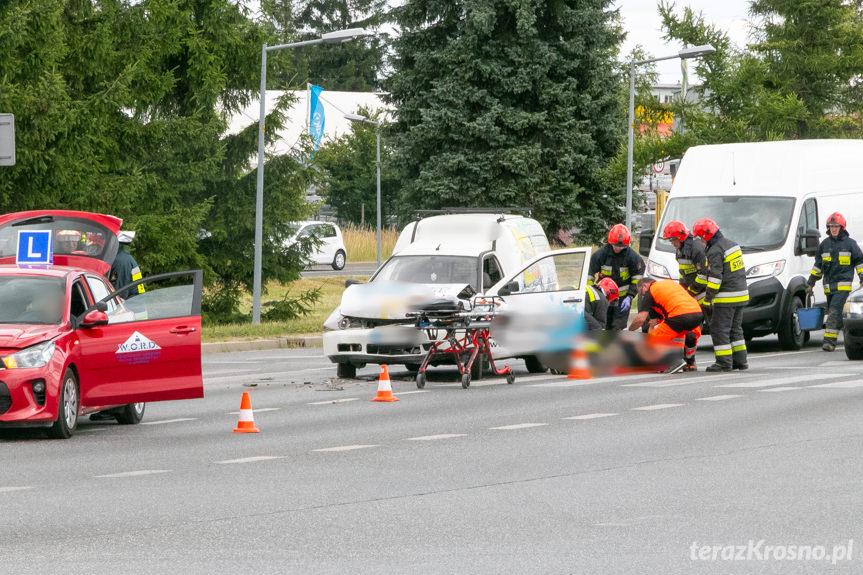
<point>609,288</point>
<point>675,230</point>
<point>836,219</point>
<point>705,228</point>
<point>618,235</point>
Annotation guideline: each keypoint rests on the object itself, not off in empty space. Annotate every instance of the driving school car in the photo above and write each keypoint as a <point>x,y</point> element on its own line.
<point>69,344</point>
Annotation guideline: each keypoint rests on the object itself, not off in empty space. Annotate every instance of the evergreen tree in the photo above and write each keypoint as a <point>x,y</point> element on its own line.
<point>502,103</point>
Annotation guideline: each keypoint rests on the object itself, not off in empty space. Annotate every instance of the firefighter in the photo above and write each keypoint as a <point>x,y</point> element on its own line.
<point>124,269</point>
<point>69,242</point>
<point>725,297</point>
<point>691,258</point>
<point>598,299</point>
<point>838,259</point>
<point>618,261</point>
<point>678,314</point>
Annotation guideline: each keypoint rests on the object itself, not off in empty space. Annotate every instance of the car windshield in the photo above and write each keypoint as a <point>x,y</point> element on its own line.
<point>755,223</point>
<point>430,270</point>
<point>31,300</point>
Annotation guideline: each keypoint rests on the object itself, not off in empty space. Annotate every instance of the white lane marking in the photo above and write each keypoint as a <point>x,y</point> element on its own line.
<point>519,426</point>
<point>657,406</point>
<point>789,388</point>
<point>702,377</point>
<point>342,400</point>
<point>252,459</point>
<point>787,353</point>
<point>776,381</point>
<point>258,410</point>
<point>716,397</point>
<point>536,377</point>
<point>591,416</point>
<point>11,489</point>
<point>838,384</point>
<point>436,437</point>
<point>415,391</point>
<point>836,362</point>
<point>161,421</point>
<point>345,448</point>
<point>135,473</point>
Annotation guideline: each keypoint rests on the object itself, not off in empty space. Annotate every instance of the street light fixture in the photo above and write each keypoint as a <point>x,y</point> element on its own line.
<point>692,52</point>
<point>336,37</point>
<point>364,120</point>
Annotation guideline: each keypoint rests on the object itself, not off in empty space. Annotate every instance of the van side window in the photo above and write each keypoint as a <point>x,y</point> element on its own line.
<point>808,217</point>
<point>491,273</point>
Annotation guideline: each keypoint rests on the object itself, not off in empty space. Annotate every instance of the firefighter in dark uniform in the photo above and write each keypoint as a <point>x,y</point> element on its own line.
<point>124,268</point>
<point>691,258</point>
<point>618,261</point>
<point>679,318</point>
<point>725,297</point>
<point>598,299</point>
<point>838,259</point>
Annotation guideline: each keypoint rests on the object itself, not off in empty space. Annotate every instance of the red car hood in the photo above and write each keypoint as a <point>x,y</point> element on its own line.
<point>15,337</point>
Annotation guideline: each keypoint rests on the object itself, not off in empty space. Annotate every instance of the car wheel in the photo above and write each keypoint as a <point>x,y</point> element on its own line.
<point>534,365</point>
<point>346,370</point>
<point>67,411</point>
<point>791,337</point>
<point>853,346</point>
<point>131,414</point>
<point>339,260</point>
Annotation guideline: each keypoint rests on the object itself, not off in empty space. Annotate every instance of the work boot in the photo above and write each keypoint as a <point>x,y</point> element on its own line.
<point>718,367</point>
<point>690,367</point>
<point>828,346</point>
<point>740,366</point>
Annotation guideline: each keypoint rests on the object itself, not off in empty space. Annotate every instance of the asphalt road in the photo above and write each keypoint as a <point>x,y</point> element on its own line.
<point>633,474</point>
<point>351,269</point>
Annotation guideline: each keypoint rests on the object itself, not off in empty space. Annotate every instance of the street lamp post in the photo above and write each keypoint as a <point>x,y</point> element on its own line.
<point>364,120</point>
<point>694,52</point>
<point>336,37</point>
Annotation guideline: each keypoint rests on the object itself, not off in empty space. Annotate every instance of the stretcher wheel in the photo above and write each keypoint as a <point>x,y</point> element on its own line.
<point>421,380</point>
<point>465,380</point>
<point>510,378</point>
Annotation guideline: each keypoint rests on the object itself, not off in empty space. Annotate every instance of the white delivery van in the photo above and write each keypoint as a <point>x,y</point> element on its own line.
<point>772,199</point>
<point>434,256</point>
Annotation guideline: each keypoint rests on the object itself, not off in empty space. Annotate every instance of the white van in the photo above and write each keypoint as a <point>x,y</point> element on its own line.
<point>773,199</point>
<point>433,256</point>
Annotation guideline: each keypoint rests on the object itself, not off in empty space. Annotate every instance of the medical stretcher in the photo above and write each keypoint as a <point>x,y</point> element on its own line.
<point>466,327</point>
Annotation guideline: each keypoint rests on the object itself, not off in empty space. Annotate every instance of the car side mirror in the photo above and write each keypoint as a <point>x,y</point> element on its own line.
<point>351,281</point>
<point>509,288</point>
<point>94,318</point>
<point>645,240</point>
<point>808,242</point>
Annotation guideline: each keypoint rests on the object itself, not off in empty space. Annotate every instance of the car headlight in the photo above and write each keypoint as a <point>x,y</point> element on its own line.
<point>36,356</point>
<point>766,270</point>
<point>853,308</point>
<point>657,270</point>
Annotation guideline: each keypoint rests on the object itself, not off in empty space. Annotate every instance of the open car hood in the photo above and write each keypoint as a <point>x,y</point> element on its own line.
<point>96,247</point>
<point>393,300</point>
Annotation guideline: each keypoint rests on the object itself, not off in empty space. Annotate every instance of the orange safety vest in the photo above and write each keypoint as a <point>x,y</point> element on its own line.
<point>670,299</point>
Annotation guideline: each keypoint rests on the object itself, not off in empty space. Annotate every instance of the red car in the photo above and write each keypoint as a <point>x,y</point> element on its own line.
<point>70,346</point>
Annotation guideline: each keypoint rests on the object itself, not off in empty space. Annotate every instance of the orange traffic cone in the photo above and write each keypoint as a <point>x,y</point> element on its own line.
<point>579,366</point>
<point>385,388</point>
<point>247,418</point>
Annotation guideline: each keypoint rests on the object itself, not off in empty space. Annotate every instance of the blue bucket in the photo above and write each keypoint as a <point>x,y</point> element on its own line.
<point>810,318</point>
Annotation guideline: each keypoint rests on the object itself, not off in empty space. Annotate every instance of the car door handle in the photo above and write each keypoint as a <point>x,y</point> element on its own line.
<point>573,300</point>
<point>182,329</point>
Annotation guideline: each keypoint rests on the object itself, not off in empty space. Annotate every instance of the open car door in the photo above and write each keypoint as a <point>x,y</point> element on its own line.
<point>543,303</point>
<point>144,348</point>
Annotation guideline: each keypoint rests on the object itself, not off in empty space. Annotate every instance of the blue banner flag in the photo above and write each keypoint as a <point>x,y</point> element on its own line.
<point>316,115</point>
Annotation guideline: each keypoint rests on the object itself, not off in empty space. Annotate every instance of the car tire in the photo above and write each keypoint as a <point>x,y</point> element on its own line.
<point>130,414</point>
<point>534,365</point>
<point>853,346</point>
<point>346,370</point>
<point>791,337</point>
<point>69,403</point>
<point>340,260</point>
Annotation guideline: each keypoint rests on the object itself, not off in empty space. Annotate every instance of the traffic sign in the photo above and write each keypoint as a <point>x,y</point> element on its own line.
<point>659,166</point>
<point>34,247</point>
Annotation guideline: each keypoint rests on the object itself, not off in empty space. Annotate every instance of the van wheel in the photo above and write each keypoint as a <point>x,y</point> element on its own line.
<point>853,346</point>
<point>339,260</point>
<point>791,337</point>
<point>534,365</point>
<point>346,370</point>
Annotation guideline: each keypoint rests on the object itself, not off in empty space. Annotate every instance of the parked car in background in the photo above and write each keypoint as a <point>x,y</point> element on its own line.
<point>327,245</point>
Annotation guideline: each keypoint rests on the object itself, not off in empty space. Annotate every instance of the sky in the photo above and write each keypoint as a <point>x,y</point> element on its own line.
<point>641,21</point>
